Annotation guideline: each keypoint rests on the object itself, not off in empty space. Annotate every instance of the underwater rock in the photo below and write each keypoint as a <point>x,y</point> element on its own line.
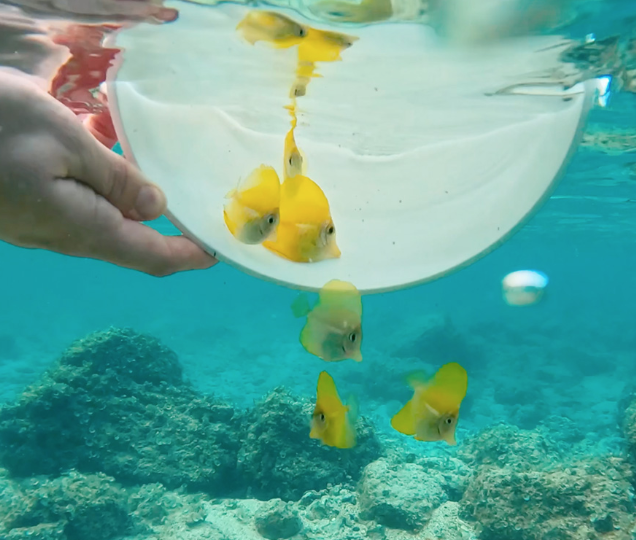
<point>152,505</point>
<point>115,403</point>
<point>278,522</point>
<point>576,501</point>
<point>565,429</point>
<point>628,420</point>
<point>72,507</point>
<point>46,531</point>
<point>440,342</point>
<point>401,495</point>
<point>586,363</point>
<point>504,445</point>
<point>446,524</point>
<point>278,459</point>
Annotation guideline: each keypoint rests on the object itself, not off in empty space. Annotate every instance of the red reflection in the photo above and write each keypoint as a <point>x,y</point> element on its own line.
<point>77,82</point>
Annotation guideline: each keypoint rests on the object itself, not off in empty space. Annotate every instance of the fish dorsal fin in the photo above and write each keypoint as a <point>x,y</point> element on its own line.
<point>302,201</point>
<point>260,190</point>
<point>417,379</point>
<point>262,175</point>
<point>447,389</point>
<point>453,379</point>
<point>341,294</point>
<point>354,409</point>
<point>300,306</point>
<point>328,399</point>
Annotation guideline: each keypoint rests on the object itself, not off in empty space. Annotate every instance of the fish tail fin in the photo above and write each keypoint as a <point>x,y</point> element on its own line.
<point>404,421</point>
<point>300,306</point>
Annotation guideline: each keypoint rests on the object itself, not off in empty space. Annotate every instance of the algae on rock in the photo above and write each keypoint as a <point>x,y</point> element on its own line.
<point>115,402</point>
<point>278,459</point>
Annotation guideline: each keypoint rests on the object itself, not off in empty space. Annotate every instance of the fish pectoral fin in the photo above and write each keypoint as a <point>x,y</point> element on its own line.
<point>300,306</point>
<point>353,409</point>
<point>403,421</point>
<point>416,379</point>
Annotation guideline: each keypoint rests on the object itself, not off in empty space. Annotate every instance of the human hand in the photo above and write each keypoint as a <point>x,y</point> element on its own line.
<point>108,9</point>
<point>61,190</point>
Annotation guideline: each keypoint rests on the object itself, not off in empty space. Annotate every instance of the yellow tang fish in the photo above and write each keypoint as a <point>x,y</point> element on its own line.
<point>252,212</point>
<point>333,331</point>
<point>306,232</point>
<point>333,422</point>
<point>271,27</point>
<point>432,413</point>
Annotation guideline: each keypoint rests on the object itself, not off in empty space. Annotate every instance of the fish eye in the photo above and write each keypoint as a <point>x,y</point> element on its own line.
<point>331,229</point>
<point>322,417</point>
<point>352,337</point>
<point>449,421</point>
<point>301,32</point>
<point>271,219</point>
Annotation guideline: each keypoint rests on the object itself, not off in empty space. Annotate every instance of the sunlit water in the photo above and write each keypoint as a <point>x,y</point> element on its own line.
<point>559,368</point>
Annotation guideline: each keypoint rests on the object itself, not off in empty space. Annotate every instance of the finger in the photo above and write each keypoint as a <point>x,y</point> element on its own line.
<point>116,179</point>
<point>139,247</point>
<point>84,224</point>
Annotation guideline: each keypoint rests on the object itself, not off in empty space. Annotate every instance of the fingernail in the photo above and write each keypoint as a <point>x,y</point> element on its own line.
<point>150,203</point>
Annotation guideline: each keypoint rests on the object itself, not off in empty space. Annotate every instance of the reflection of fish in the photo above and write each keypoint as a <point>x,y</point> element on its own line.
<point>524,287</point>
<point>306,232</point>
<point>333,422</point>
<point>252,212</point>
<point>272,27</point>
<point>334,325</point>
<point>323,46</point>
<point>294,161</point>
<point>432,413</point>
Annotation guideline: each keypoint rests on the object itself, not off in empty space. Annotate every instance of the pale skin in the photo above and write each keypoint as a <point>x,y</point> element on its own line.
<point>63,191</point>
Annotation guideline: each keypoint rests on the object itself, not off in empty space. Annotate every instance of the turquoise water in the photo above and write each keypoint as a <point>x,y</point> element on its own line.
<point>546,435</point>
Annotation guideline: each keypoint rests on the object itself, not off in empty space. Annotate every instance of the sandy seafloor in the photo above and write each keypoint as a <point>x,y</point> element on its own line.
<point>560,369</point>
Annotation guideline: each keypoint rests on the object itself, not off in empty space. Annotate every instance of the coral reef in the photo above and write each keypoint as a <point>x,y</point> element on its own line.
<point>504,445</point>
<point>405,495</point>
<point>574,501</point>
<point>277,458</point>
<point>113,444</point>
<point>70,507</point>
<point>115,403</point>
<point>522,489</point>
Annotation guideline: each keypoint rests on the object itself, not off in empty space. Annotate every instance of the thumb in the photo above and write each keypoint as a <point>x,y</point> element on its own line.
<point>116,179</point>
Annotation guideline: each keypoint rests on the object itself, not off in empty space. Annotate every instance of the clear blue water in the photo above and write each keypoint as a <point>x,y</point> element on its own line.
<point>559,368</point>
